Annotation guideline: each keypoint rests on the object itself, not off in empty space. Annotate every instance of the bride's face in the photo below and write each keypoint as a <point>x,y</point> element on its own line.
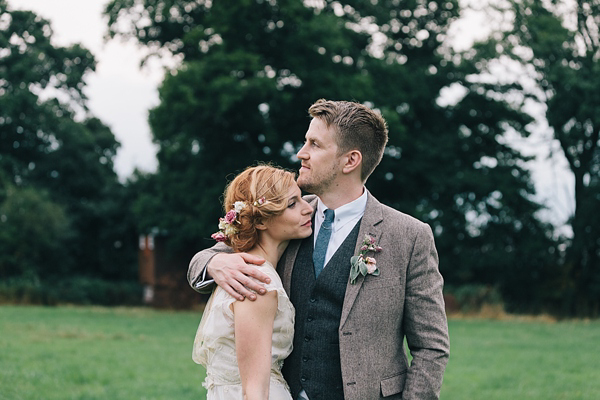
<point>295,221</point>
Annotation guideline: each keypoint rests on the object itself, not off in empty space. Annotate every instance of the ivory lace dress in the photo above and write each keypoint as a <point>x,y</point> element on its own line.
<point>214,346</point>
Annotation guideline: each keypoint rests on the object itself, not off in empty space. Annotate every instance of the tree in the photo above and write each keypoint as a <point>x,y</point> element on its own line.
<point>57,158</point>
<point>558,46</point>
<point>249,72</point>
<point>33,230</point>
<point>249,75</point>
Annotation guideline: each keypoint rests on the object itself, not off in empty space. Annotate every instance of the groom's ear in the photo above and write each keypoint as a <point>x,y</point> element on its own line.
<point>352,161</point>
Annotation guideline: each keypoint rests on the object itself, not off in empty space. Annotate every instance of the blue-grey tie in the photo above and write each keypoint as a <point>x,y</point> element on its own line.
<point>322,242</point>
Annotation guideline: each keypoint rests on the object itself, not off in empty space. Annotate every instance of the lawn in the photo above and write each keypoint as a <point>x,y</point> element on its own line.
<point>523,359</point>
<point>90,353</point>
<point>135,353</point>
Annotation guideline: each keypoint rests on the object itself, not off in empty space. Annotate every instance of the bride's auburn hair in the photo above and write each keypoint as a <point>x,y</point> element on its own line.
<point>264,189</point>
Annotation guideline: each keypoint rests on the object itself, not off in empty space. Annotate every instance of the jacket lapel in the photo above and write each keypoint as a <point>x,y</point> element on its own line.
<point>370,225</point>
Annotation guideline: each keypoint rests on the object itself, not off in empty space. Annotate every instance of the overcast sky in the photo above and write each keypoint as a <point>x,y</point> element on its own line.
<point>120,94</point>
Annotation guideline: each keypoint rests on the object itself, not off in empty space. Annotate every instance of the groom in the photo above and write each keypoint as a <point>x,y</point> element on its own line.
<point>350,326</point>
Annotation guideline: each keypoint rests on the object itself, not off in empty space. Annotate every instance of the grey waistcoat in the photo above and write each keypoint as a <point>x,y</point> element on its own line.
<point>314,364</point>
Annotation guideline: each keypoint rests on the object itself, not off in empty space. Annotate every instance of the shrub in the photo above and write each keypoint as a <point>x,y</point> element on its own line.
<point>472,297</point>
<point>75,290</point>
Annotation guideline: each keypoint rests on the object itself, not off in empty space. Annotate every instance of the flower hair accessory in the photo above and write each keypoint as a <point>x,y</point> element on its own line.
<point>265,189</point>
<point>260,202</point>
<point>363,265</point>
<point>227,223</point>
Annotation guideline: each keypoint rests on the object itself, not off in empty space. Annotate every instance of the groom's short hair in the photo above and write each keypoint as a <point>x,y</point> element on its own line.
<point>356,127</point>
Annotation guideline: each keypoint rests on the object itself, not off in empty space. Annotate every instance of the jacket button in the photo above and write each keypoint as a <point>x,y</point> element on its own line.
<point>313,300</point>
<point>306,339</point>
<point>303,379</point>
<point>305,359</point>
<point>309,319</point>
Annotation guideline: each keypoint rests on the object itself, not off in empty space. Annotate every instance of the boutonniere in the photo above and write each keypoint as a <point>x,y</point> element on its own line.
<point>363,265</point>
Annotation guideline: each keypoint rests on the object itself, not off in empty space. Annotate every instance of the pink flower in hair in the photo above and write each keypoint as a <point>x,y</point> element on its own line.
<point>226,224</point>
<point>230,216</point>
<point>219,236</point>
<point>260,202</point>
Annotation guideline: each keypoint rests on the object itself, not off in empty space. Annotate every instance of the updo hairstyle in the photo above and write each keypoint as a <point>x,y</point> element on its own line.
<point>249,186</point>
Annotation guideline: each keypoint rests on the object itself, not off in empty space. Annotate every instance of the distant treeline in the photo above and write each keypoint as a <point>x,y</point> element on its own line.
<point>248,73</point>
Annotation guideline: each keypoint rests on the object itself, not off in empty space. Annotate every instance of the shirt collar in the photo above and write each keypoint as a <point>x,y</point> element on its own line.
<point>346,213</point>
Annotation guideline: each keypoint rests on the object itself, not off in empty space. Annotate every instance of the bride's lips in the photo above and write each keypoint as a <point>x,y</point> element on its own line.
<point>307,223</point>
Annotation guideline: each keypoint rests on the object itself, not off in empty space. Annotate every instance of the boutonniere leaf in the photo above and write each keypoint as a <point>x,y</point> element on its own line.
<point>363,265</point>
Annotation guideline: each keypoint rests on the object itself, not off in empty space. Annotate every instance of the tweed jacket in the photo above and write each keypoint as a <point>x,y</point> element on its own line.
<point>404,302</point>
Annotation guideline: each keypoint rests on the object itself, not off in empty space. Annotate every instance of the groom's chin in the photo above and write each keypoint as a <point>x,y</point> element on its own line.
<point>302,184</point>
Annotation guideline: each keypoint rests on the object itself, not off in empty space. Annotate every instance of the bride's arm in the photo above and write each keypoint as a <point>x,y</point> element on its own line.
<point>253,335</point>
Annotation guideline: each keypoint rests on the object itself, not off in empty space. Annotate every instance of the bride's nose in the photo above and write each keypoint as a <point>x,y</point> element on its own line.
<point>307,208</point>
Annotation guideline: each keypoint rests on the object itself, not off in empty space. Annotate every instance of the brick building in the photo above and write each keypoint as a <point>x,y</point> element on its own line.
<point>164,275</point>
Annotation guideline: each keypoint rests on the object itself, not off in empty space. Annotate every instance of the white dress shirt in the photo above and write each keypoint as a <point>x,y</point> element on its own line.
<point>345,219</point>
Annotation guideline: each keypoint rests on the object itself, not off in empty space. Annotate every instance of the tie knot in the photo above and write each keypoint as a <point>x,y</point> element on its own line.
<point>329,216</point>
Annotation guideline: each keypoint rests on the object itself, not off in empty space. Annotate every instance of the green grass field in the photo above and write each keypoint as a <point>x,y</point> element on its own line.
<point>97,353</point>
<point>134,353</point>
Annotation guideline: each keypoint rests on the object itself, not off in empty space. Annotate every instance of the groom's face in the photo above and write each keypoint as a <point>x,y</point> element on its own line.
<point>319,157</point>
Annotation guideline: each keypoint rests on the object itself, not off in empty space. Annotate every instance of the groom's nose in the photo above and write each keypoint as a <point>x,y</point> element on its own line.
<point>302,153</point>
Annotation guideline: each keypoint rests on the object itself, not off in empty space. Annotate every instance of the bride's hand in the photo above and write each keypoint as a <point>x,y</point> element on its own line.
<point>237,273</point>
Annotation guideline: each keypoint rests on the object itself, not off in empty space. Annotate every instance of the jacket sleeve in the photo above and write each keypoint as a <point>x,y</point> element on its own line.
<point>425,322</point>
<point>197,269</point>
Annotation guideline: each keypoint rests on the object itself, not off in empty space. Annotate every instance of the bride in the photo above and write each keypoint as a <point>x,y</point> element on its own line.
<point>243,344</point>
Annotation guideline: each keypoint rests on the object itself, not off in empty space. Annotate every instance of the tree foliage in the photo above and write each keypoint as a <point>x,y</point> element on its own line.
<point>251,69</point>
<point>56,160</point>
<point>448,159</point>
<point>559,46</point>
<point>33,232</point>
<point>240,96</point>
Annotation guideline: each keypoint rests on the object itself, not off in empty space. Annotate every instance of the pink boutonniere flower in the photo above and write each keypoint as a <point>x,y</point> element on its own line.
<point>363,265</point>
<point>371,265</point>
